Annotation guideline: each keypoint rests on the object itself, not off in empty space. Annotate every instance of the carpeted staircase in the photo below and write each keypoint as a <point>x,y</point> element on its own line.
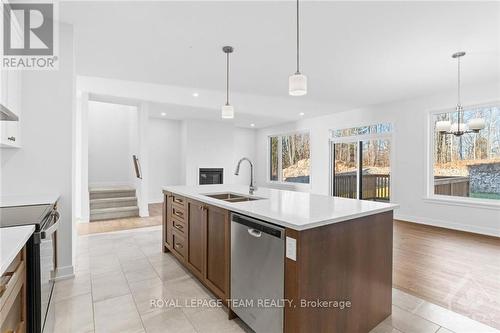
<point>115,202</point>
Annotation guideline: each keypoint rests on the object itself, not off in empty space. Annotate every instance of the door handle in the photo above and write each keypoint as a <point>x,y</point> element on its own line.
<point>254,233</point>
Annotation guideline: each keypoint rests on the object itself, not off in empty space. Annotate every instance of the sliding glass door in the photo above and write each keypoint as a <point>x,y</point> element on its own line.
<point>361,169</point>
<point>345,170</point>
<point>375,170</point>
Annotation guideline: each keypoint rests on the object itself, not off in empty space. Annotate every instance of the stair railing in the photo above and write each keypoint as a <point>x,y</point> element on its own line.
<point>137,167</point>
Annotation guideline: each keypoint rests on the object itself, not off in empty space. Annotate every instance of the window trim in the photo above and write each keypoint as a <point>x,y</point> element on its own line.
<point>280,181</point>
<point>429,195</point>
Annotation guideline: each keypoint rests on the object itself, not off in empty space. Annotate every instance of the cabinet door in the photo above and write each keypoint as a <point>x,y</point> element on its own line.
<point>166,230</point>
<point>196,237</point>
<point>217,251</point>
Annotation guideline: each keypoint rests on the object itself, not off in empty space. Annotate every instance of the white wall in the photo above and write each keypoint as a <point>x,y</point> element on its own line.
<point>210,144</point>
<point>44,163</point>
<point>165,161</point>
<point>409,167</point>
<point>111,137</point>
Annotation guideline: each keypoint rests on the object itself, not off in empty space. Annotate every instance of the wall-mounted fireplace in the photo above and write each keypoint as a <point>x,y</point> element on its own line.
<point>211,176</point>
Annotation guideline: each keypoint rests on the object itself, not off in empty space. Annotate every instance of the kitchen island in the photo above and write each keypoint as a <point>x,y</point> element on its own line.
<point>337,261</point>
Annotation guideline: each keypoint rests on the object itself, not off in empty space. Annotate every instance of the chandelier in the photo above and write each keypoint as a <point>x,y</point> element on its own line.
<point>459,128</point>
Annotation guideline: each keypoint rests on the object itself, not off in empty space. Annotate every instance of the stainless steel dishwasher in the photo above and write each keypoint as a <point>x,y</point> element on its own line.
<point>257,272</point>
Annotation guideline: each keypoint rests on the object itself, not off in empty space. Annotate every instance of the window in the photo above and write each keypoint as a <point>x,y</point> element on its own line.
<point>362,130</point>
<point>289,158</point>
<point>469,165</point>
<point>361,162</point>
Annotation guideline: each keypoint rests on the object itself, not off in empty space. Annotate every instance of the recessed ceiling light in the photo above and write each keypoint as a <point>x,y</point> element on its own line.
<point>301,114</point>
<point>252,125</point>
<point>163,114</point>
<point>195,94</point>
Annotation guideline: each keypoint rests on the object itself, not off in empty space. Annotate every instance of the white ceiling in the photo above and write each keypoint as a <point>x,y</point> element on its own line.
<point>354,53</point>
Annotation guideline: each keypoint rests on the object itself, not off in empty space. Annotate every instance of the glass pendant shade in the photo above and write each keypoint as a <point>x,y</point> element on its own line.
<point>227,112</point>
<point>476,124</point>
<point>443,126</point>
<point>297,84</point>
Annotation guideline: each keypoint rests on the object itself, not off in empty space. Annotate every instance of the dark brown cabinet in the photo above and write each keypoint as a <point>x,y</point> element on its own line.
<point>166,231</point>
<point>199,236</point>
<point>217,250</point>
<point>196,238</point>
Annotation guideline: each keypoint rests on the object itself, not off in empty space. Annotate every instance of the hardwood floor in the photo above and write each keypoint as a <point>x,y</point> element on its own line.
<point>155,218</point>
<point>457,270</point>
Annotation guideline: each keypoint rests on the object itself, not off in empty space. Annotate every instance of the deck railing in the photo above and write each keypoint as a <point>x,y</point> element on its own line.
<point>374,186</point>
<point>378,186</point>
<point>455,186</point>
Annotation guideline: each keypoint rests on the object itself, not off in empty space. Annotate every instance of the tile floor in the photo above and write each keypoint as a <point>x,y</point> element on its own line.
<point>118,273</point>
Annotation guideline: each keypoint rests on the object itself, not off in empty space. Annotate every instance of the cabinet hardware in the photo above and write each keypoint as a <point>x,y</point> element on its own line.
<point>179,226</point>
<point>179,245</point>
<point>11,138</point>
<point>176,213</point>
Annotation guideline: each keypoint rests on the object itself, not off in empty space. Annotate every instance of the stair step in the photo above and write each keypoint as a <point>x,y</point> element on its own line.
<point>111,192</point>
<point>113,202</point>
<point>113,213</point>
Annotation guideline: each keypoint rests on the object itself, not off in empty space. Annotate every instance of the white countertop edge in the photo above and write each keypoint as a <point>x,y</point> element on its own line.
<point>12,240</point>
<point>310,225</point>
<point>233,208</point>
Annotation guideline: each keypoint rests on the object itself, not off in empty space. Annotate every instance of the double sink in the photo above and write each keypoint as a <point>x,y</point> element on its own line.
<point>231,197</point>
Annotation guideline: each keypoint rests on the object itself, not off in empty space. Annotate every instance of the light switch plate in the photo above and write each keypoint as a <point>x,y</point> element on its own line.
<point>291,248</point>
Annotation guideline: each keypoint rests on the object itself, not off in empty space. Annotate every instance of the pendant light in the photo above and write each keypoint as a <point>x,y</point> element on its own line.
<point>460,128</point>
<point>227,109</point>
<point>297,82</point>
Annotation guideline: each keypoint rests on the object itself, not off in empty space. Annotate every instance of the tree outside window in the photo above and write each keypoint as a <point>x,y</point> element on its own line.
<point>290,158</point>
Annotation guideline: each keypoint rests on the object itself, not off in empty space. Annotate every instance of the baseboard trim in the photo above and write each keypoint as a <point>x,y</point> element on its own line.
<point>449,225</point>
<point>63,273</point>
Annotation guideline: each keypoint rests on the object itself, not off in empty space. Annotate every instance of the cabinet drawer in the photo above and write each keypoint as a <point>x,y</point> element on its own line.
<point>178,225</point>
<point>179,201</point>
<point>178,244</point>
<point>11,276</point>
<point>179,213</point>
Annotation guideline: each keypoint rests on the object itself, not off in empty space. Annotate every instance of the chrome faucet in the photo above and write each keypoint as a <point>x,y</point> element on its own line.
<point>237,171</point>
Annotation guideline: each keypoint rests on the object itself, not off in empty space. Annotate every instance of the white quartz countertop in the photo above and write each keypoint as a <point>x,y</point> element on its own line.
<point>28,200</point>
<point>12,240</point>
<point>291,209</point>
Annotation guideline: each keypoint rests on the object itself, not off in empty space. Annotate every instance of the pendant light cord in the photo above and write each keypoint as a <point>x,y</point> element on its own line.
<point>298,41</point>
<point>459,102</point>
<point>459,105</point>
<point>227,78</point>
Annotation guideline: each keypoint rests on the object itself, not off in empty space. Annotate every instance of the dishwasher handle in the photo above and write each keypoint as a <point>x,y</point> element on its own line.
<point>254,233</point>
<point>257,227</point>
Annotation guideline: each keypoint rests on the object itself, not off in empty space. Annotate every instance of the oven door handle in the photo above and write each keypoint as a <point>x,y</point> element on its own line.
<point>53,226</point>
